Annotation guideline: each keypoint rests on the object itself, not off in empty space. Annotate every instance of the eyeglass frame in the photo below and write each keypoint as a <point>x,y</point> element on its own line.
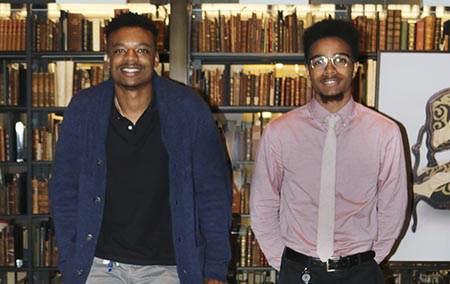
<point>330,59</point>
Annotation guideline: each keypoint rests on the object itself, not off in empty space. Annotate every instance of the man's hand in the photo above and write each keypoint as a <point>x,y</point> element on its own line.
<point>213,281</point>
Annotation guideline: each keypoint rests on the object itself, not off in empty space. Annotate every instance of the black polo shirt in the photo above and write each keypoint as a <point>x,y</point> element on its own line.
<point>136,227</point>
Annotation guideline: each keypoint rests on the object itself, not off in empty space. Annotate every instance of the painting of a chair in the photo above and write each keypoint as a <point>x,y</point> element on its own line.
<point>432,182</point>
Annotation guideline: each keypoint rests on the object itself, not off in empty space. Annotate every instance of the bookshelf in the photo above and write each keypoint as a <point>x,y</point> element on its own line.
<point>30,70</point>
<point>242,122</point>
<point>233,43</point>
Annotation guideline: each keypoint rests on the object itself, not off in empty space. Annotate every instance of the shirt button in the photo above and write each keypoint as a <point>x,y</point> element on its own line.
<point>130,127</point>
<point>99,163</point>
<point>80,272</point>
<point>97,199</point>
<point>89,237</point>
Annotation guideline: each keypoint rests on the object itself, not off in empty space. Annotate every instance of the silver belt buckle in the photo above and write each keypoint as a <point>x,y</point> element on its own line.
<point>328,264</point>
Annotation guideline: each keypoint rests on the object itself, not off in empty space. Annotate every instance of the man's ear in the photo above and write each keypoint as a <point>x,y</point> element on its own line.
<point>107,62</point>
<point>156,59</point>
<point>307,71</point>
<point>355,68</point>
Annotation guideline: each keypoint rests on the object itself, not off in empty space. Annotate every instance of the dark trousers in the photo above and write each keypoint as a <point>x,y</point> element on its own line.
<point>365,273</point>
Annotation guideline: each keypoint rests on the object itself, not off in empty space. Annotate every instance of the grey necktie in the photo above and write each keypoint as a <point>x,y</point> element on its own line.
<point>325,228</point>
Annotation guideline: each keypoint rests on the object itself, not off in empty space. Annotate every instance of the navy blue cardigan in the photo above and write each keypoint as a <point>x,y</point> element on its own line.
<point>200,188</point>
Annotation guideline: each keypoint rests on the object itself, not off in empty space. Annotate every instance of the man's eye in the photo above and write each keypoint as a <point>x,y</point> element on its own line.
<point>319,62</point>
<point>142,51</point>
<point>120,51</point>
<point>341,60</point>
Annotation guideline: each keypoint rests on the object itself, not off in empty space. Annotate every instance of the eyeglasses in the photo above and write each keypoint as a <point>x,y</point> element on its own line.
<point>339,61</point>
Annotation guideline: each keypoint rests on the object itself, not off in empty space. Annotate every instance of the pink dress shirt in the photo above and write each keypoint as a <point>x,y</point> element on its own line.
<point>371,182</point>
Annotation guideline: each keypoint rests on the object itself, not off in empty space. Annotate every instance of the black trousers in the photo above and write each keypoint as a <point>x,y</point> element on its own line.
<point>365,273</point>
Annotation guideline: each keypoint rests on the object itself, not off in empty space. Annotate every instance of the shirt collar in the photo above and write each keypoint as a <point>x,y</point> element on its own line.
<point>319,113</point>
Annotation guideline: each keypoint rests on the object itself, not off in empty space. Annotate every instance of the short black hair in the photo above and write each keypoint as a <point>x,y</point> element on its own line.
<point>344,30</point>
<point>130,19</point>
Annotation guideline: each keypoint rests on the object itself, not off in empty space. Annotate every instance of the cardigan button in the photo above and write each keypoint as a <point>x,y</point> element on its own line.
<point>80,272</point>
<point>89,237</point>
<point>99,163</point>
<point>97,199</point>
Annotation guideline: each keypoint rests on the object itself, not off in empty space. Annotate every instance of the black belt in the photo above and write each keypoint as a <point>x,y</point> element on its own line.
<point>333,264</point>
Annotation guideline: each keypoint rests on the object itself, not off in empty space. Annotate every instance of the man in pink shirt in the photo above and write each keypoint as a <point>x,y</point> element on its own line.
<point>370,185</point>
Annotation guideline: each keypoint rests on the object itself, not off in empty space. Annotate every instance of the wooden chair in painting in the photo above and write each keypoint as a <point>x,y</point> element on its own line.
<point>432,183</point>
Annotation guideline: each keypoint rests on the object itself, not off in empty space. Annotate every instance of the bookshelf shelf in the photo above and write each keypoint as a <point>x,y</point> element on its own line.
<point>12,268</point>
<point>250,109</point>
<point>58,110</point>
<point>13,108</point>
<point>17,56</point>
<point>18,218</point>
<point>89,56</point>
<point>247,58</point>
<point>14,164</point>
<point>254,268</point>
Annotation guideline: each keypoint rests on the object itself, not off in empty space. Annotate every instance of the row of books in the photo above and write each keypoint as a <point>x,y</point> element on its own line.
<point>12,34</point>
<point>250,252</point>
<point>268,276</point>
<point>12,137</point>
<point>71,32</point>
<point>63,79</point>
<point>234,33</point>
<point>13,277</point>
<point>265,87</point>
<point>11,243</point>
<point>250,89</point>
<point>13,193</point>
<point>55,86</point>
<point>12,82</point>
<point>393,32</point>
<point>75,32</point>
<point>45,249</point>
<point>241,138</point>
<point>269,33</point>
<point>40,196</point>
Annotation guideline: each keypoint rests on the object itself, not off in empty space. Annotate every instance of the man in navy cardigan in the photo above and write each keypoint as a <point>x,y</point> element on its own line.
<point>140,191</point>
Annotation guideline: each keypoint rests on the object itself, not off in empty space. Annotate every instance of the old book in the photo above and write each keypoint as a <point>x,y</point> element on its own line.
<point>361,25</point>
<point>43,193</point>
<point>382,34</point>
<point>34,89</point>
<point>3,34</point>
<point>34,181</point>
<point>404,35</point>
<point>75,32</point>
<point>2,154</point>
<point>411,36</point>
<point>429,31</point>
<point>3,80</point>
<point>63,30</point>
<point>420,35</point>
<point>249,247</point>
<point>86,35</point>
<point>437,34</point>
<point>390,30</point>
<point>41,88</point>
<point>9,34</point>
<point>397,29</point>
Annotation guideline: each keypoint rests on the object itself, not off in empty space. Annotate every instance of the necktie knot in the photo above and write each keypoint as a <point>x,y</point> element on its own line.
<point>332,120</point>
